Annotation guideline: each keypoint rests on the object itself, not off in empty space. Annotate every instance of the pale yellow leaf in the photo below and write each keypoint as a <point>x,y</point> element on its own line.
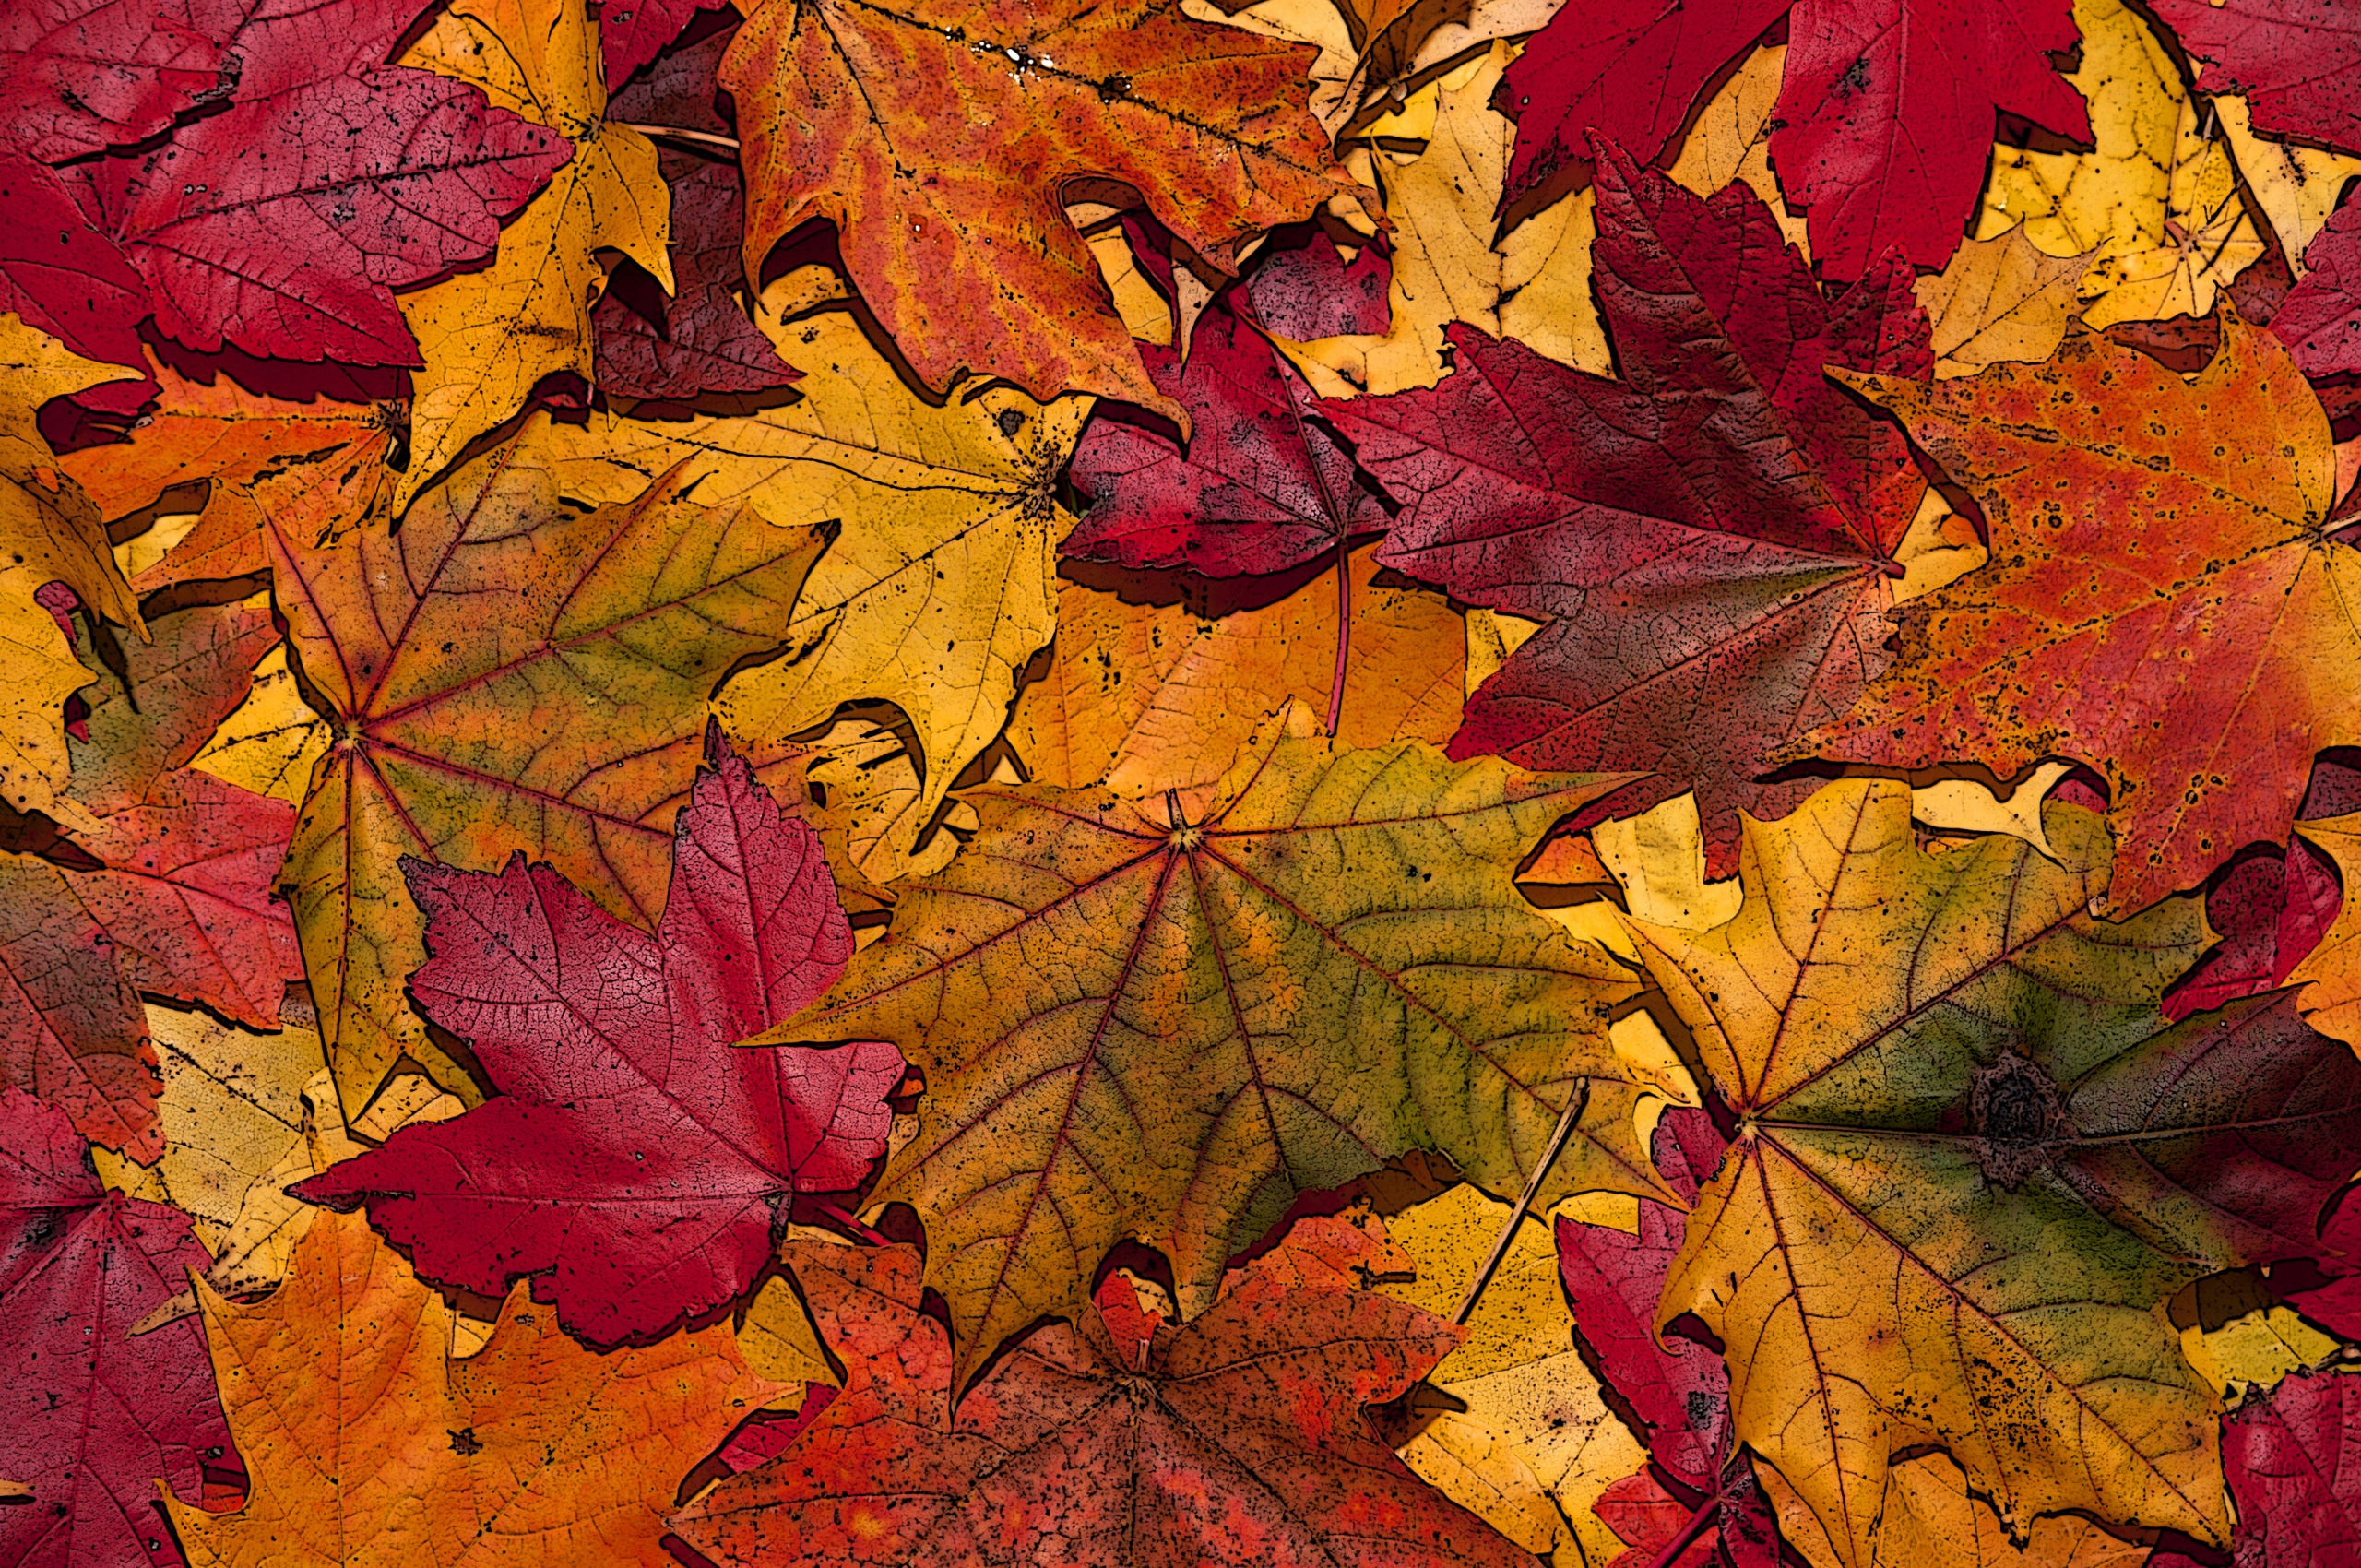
<point>271,742</point>
<point>2000,298</point>
<point>2296,186</point>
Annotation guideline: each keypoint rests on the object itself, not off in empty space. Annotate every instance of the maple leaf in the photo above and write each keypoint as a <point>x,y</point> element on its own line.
<point>72,1031</point>
<point>158,701</point>
<point>1142,697</point>
<point>699,340</point>
<point>2162,600</point>
<point>1932,1517</point>
<point>1260,486</point>
<point>1721,496</point>
<point>938,134</point>
<point>491,337</point>
<point>2331,972</point>
<point>92,1418</point>
<point>1968,1177</point>
<point>2291,1467</point>
<point>630,1150</point>
<point>2272,911</point>
<point>532,1450</point>
<point>64,278</point>
<point>608,625</point>
<point>1236,1438</point>
<point>2291,60</point>
<point>2320,318</point>
<point>281,225</point>
<point>939,582</point>
<point>1228,976</point>
<point>48,528</point>
<point>1999,299</point>
<point>43,673</point>
<point>2155,204</point>
<point>1886,109</point>
<point>1313,291</point>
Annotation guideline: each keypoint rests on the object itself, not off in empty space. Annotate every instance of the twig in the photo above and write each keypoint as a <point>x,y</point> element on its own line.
<point>679,133</point>
<point>1516,1216</point>
<point>1343,630</point>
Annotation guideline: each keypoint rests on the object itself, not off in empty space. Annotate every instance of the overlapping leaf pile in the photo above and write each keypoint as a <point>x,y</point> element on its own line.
<point>1275,783</point>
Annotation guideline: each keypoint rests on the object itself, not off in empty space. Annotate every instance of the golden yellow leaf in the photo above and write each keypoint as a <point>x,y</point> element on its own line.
<point>2000,298</point>
<point>490,336</point>
<point>41,673</point>
<point>940,584</point>
<point>2330,973</point>
<point>1533,285</point>
<point>1151,697</point>
<point>780,1344</point>
<point>1961,805</point>
<point>2296,186</point>
<point>48,526</point>
<point>231,1104</point>
<point>1537,1443</point>
<point>2256,1351</point>
<point>1659,859</point>
<point>1931,1520</point>
<point>866,796</point>
<point>366,1444</point>
<point>271,741</point>
<point>2156,206</point>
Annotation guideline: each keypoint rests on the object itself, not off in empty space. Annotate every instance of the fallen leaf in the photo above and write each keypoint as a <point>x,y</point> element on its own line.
<point>2000,298</point>
<point>2271,911</point>
<point>1315,289</point>
<point>92,1419</point>
<point>281,224</point>
<point>232,1104</point>
<point>631,1156</point>
<point>35,765</point>
<point>1141,696</point>
<point>938,140</point>
<point>1731,139</point>
<point>1711,538</point>
<point>366,1444</point>
<point>1533,285</point>
<point>2321,319</point>
<point>310,466</point>
<point>2292,59</point>
<point>1235,1439</point>
<point>73,1032</point>
<point>1932,1520</point>
<point>2161,602</point>
<point>2298,187</point>
<point>47,525</point>
<point>938,584</point>
<point>489,337</point>
<point>2256,1352</point>
<point>1260,486</point>
<point>1970,1179</point>
<point>68,281</point>
<point>610,625</point>
<point>701,339</point>
<point>1534,1445</point>
<point>271,742</point>
<point>2155,205</point>
<point>631,38</point>
<point>2291,1464</point>
<point>2330,973</point>
<point>1230,972</point>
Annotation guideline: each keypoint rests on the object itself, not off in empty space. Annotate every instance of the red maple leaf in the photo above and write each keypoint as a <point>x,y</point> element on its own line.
<point>1261,485</point>
<point>631,1151</point>
<point>2320,318</point>
<point>1886,111</point>
<point>700,339</point>
<point>1709,537</point>
<point>90,1418</point>
<point>1236,1438</point>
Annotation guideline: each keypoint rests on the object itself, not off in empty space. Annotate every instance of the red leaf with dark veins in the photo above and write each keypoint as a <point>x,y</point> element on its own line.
<point>2320,318</point>
<point>1260,486</point>
<point>1709,537</point>
<point>284,225</point>
<point>2295,61</point>
<point>1629,72</point>
<point>90,1418</point>
<point>185,896</point>
<point>706,342</point>
<point>2294,1462</point>
<point>78,76</point>
<point>65,277</point>
<point>72,1031</point>
<point>1310,291</point>
<point>2271,911</point>
<point>1888,110</point>
<point>633,1151</point>
<point>632,32</point>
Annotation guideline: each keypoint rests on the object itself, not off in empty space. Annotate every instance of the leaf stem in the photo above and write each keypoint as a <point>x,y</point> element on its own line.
<point>1524,1200</point>
<point>1698,1523</point>
<point>679,133</point>
<point>1344,629</point>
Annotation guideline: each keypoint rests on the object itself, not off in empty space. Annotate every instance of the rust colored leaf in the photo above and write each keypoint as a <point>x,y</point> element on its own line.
<point>2162,600</point>
<point>1235,1439</point>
